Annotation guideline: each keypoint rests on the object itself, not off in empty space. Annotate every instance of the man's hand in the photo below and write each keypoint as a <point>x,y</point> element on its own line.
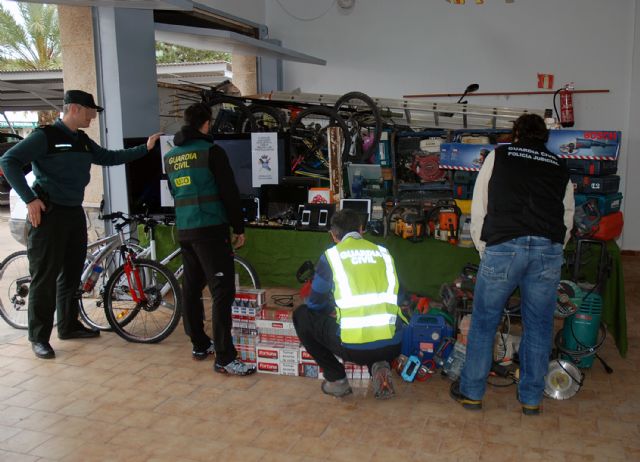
<point>237,240</point>
<point>34,212</point>
<point>151,142</point>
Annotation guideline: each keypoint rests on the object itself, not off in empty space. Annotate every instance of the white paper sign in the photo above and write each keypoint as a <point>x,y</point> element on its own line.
<point>166,199</point>
<point>166,144</point>
<point>264,158</point>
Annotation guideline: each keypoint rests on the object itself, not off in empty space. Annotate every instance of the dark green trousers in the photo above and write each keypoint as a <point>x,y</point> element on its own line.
<point>56,250</point>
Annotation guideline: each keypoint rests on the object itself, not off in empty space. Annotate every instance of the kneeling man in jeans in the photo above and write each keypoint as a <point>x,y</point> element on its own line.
<point>352,311</point>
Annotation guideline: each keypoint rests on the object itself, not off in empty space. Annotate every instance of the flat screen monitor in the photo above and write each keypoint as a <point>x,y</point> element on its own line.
<point>238,149</point>
<point>143,180</point>
<point>145,174</point>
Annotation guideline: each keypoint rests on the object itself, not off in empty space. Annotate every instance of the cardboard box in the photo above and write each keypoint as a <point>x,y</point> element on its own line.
<point>268,367</point>
<point>281,359</point>
<point>584,144</point>
<point>249,297</point>
<point>319,196</point>
<point>309,369</point>
<point>276,332</point>
<point>305,356</point>
<point>276,368</point>
<point>279,313</point>
<point>278,352</point>
<point>466,157</point>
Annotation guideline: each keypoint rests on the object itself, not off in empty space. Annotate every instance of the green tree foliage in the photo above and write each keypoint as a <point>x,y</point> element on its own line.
<point>32,44</point>
<point>169,53</point>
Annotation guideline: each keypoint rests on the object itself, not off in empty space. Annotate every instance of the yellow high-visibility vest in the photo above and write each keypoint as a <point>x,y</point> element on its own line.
<point>365,290</point>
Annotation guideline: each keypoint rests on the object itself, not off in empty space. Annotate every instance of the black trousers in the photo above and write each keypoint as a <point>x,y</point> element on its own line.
<point>209,262</point>
<point>318,332</point>
<point>56,251</point>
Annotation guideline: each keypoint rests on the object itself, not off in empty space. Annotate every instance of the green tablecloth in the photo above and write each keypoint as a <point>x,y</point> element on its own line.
<point>422,267</point>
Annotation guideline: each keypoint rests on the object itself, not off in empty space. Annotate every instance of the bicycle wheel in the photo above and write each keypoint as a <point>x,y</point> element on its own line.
<point>14,289</point>
<point>151,319</point>
<point>266,119</point>
<point>246,275</point>
<point>363,118</point>
<point>91,304</point>
<point>309,140</point>
<point>230,115</point>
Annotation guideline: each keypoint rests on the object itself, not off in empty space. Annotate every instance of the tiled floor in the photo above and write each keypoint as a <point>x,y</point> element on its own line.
<point>104,399</point>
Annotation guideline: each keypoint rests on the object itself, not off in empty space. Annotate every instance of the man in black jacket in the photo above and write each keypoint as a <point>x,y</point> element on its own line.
<point>207,202</point>
<point>521,216</point>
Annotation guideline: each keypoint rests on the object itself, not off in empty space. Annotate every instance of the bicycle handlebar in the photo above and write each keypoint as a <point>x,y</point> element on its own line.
<point>144,219</point>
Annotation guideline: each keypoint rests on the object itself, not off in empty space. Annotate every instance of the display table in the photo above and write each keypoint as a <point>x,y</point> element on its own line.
<point>422,267</point>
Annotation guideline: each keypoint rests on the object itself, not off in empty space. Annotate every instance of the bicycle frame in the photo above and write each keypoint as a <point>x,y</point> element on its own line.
<point>98,250</point>
<point>104,246</point>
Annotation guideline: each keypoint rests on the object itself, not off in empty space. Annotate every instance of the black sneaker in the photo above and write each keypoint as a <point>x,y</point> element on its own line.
<point>200,355</point>
<point>467,403</point>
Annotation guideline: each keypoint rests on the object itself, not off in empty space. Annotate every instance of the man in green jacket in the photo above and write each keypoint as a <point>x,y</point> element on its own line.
<point>207,203</point>
<point>61,156</point>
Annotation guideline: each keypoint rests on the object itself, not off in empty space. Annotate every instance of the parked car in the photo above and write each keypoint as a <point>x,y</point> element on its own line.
<point>18,218</point>
<point>7,140</point>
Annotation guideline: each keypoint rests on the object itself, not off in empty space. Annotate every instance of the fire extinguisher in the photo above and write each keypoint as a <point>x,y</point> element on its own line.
<point>566,105</point>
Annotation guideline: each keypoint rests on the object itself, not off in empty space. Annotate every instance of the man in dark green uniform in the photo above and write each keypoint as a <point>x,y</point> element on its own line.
<point>207,202</point>
<point>61,156</point>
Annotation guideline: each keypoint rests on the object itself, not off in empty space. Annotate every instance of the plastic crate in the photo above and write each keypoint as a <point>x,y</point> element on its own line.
<point>592,167</point>
<point>596,184</point>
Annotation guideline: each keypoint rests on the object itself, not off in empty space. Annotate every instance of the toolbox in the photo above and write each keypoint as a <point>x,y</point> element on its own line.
<point>592,167</point>
<point>423,335</point>
<point>606,204</point>
<point>596,184</point>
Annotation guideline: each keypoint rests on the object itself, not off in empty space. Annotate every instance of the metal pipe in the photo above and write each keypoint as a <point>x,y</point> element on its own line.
<point>13,130</point>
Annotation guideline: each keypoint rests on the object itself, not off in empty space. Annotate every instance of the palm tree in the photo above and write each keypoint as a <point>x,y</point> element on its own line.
<point>32,43</point>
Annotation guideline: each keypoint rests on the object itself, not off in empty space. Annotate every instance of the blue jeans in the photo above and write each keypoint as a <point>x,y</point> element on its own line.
<point>533,264</point>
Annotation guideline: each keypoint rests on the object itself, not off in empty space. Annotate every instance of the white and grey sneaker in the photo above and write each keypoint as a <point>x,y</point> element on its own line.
<point>200,355</point>
<point>235,367</point>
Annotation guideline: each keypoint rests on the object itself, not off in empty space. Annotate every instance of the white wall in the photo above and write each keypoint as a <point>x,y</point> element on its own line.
<point>631,237</point>
<point>391,48</point>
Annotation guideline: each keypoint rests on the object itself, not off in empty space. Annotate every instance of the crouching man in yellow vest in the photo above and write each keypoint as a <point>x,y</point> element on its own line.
<point>352,311</point>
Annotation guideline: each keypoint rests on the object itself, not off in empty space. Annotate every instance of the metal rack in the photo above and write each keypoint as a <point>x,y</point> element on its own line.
<point>419,114</point>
